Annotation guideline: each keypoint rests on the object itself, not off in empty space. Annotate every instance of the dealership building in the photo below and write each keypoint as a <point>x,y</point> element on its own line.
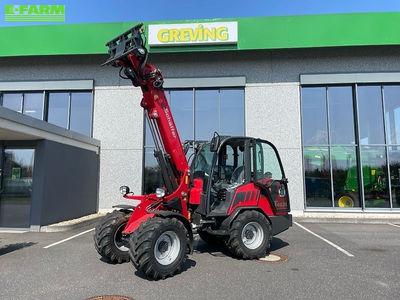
<point>324,89</point>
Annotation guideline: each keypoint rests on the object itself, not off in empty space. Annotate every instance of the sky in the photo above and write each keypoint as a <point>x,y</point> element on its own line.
<point>93,11</point>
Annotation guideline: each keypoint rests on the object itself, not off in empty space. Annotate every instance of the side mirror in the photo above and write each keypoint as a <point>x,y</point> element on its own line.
<point>214,144</point>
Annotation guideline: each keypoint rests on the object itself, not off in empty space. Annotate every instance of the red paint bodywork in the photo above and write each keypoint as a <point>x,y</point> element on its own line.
<point>195,191</point>
<point>253,197</point>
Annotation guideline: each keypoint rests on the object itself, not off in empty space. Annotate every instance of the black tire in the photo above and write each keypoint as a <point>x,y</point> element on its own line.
<point>143,247</point>
<point>107,237</point>
<point>262,237</point>
<point>211,238</point>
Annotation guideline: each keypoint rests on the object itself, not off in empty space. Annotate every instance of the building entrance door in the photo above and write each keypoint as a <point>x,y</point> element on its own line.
<point>16,173</point>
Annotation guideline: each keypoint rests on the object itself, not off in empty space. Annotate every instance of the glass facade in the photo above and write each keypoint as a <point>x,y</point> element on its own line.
<point>70,110</point>
<point>351,138</point>
<point>197,114</point>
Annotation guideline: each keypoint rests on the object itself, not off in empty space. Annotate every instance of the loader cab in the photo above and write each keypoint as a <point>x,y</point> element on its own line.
<point>236,163</point>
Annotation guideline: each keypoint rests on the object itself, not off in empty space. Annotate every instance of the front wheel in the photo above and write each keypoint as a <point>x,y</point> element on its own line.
<point>108,239</point>
<point>250,235</point>
<point>158,247</point>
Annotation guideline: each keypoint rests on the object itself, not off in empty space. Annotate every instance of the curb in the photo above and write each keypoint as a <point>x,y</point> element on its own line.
<point>72,224</point>
<point>94,219</point>
<point>346,220</point>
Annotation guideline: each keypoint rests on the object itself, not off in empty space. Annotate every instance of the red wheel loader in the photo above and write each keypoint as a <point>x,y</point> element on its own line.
<point>234,191</point>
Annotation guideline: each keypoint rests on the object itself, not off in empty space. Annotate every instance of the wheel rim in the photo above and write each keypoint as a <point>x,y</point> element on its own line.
<point>167,247</point>
<point>252,235</point>
<point>345,201</point>
<point>118,240</point>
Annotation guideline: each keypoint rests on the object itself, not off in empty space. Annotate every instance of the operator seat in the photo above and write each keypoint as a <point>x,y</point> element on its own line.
<point>238,175</point>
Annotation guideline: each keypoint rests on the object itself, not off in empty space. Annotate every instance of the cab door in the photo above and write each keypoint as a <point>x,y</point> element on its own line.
<point>269,175</point>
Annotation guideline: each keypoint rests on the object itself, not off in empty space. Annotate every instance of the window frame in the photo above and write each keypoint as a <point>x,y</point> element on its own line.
<point>47,87</point>
<point>355,81</point>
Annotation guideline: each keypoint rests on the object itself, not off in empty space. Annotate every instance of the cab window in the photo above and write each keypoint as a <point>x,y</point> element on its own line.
<point>267,167</point>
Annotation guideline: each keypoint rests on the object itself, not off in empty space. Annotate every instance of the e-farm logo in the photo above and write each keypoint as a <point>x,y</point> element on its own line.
<point>35,13</point>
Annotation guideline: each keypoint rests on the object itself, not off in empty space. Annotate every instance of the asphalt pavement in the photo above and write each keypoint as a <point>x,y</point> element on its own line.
<point>323,261</point>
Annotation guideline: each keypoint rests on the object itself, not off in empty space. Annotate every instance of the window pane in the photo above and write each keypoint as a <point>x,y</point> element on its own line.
<point>149,138</point>
<point>206,114</point>
<point>181,103</point>
<point>267,164</point>
<point>345,177</point>
<point>202,165</point>
<point>33,105</point>
<point>317,177</point>
<point>232,112</point>
<point>13,101</point>
<point>313,104</point>
<point>58,109</point>
<point>81,112</point>
<point>392,114</point>
<point>341,116</point>
<point>375,179</point>
<point>370,115</point>
<point>152,174</point>
<point>394,162</point>
<point>15,201</point>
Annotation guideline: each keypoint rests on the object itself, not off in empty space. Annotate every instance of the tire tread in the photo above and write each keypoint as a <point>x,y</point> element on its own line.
<point>103,237</point>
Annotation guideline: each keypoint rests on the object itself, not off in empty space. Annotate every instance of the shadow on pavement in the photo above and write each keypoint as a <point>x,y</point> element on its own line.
<point>277,243</point>
<point>220,251</point>
<point>188,264</point>
<point>214,250</point>
<point>14,247</point>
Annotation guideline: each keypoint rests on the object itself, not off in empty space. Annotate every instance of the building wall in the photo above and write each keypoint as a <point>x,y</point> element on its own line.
<point>273,114</point>
<point>67,174</point>
<point>118,124</point>
<point>272,99</point>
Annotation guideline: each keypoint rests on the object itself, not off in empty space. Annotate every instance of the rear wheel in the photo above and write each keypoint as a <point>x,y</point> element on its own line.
<point>108,239</point>
<point>158,247</point>
<point>250,235</point>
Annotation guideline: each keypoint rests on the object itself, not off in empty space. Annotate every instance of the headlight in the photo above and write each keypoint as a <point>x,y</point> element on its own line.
<point>124,190</point>
<point>160,192</point>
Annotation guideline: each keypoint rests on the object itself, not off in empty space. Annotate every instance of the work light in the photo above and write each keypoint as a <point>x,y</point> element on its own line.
<point>160,192</point>
<point>124,190</point>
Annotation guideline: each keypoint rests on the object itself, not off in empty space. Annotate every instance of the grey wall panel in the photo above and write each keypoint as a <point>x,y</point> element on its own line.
<point>257,66</point>
<point>46,85</point>
<point>118,123</point>
<point>69,177</point>
<point>273,114</point>
<point>72,67</point>
<point>39,172</point>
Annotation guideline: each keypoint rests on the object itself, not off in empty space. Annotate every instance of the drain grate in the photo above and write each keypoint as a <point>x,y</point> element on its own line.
<point>110,297</point>
<point>274,258</point>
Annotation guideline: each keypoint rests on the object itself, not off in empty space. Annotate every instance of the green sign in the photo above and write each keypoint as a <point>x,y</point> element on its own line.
<point>35,13</point>
<point>280,32</point>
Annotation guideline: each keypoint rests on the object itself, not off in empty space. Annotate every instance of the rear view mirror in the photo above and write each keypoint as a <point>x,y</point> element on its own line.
<point>214,144</point>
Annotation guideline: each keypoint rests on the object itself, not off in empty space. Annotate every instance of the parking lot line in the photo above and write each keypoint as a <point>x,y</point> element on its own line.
<point>325,240</point>
<point>393,225</point>
<point>67,239</point>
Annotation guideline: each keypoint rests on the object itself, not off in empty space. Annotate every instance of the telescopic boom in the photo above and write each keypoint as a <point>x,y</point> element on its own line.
<point>128,52</point>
